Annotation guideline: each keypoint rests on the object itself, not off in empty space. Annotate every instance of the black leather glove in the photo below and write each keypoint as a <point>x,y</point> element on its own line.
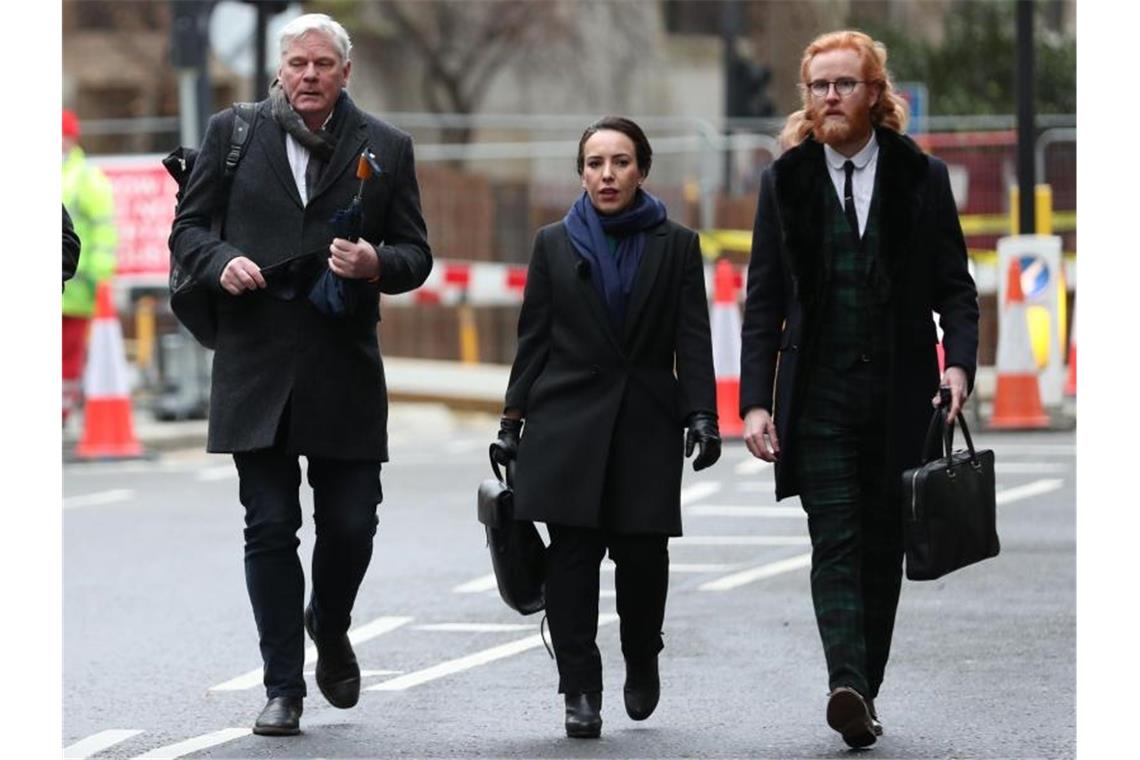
<point>703,432</point>
<point>506,447</point>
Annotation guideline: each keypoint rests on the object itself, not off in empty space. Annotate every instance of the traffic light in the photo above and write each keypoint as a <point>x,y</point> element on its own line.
<point>747,95</point>
<point>189,32</point>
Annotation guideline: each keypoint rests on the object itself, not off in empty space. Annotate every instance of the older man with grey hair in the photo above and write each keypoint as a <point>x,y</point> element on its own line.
<point>296,373</point>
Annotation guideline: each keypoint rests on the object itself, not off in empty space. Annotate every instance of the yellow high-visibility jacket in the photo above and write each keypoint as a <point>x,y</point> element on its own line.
<point>88,198</point>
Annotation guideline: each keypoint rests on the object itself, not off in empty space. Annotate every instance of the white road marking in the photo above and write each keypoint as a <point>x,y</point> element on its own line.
<point>735,510</point>
<point>757,573</point>
<point>365,673</point>
<point>740,541</point>
<point>474,660</point>
<point>1027,468</point>
<point>221,472</point>
<point>680,567</point>
<point>205,741</point>
<point>98,742</point>
<point>474,627</point>
<point>482,583</point>
<point>764,485</point>
<point>1036,488</point>
<point>698,491</point>
<point>357,635</point>
<point>751,466</point>
<point>99,498</point>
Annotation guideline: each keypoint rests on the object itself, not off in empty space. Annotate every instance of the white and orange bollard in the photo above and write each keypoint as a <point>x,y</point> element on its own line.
<point>724,325</point>
<point>108,428</point>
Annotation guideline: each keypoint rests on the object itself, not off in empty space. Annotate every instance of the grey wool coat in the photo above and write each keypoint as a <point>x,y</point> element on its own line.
<point>271,351</point>
<point>604,413</point>
<point>921,267</point>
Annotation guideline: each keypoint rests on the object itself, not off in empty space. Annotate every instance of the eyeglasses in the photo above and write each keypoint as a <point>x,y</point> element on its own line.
<point>843,86</point>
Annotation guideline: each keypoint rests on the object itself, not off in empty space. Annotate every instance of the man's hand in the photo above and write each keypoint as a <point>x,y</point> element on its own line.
<point>758,424</point>
<point>505,448</point>
<point>241,275</point>
<point>955,377</point>
<point>354,261</point>
<point>703,432</point>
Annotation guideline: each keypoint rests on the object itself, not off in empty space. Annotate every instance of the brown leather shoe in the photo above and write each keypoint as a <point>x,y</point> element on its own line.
<point>847,713</point>
<point>876,726</point>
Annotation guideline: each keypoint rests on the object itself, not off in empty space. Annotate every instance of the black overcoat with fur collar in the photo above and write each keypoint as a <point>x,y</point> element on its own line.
<point>921,268</point>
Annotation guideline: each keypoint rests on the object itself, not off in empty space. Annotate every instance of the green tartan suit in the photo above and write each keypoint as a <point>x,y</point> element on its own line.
<point>838,344</point>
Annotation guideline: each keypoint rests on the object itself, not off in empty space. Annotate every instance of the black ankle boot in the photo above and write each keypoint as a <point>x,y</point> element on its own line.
<point>584,715</point>
<point>642,686</point>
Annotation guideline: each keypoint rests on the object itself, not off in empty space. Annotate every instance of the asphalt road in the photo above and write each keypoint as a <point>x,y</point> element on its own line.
<point>160,649</point>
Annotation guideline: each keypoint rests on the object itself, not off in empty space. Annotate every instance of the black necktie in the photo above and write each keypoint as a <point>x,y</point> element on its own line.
<point>849,198</point>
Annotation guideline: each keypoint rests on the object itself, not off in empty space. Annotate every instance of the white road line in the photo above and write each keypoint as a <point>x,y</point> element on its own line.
<point>98,742</point>
<point>205,741</point>
<point>474,627</point>
<point>680,567</point>
<point>757,573</point>
<point>357,635</point>
<point>698,491</point>
<point>1036,488</point>
<point>474,660</point>
<point>740,541</point>
<point>221,472</point>
<point>765,485</point>
<point>99,498</point>
<point>1029,468</point>
<point>365,673</point>
<point>735,510</point>
<point>751,466</point>
<point>477,585</point>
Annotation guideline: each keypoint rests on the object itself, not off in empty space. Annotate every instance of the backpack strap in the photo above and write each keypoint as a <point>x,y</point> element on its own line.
<point>245,117</point>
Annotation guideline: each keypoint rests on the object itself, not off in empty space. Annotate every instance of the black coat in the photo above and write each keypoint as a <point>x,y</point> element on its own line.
<point>71,246</point>
<point>923,257</point>
<point>271,351</point>
<point>604,413</point>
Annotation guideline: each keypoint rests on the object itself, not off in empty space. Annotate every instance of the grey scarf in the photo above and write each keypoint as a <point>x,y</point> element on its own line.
<point>320,144</point>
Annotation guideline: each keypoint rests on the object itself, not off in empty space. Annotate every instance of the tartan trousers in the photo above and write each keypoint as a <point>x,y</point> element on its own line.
<point>856,530</point>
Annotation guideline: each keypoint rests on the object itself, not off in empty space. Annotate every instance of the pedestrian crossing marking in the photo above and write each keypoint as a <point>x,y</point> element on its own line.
<point>357,635</point>
<point>467,662</point>
<point>194,744</point>
<point>698,491</point>
<point>98,742</point>
<point>474,627</point>
<point>769,570</point>
<point>477,585</point>
<point>751,466</point>
<point>740,541</point>
<point>734,510</point>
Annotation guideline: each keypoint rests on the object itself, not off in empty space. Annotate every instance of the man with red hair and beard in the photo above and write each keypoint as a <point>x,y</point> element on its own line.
<point>856,242</point>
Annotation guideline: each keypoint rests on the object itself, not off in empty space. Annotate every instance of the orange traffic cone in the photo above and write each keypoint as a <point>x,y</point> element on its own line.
<point>724,321</point>
<point>1017,398</point>
<point>1071,380</point>
<point>108,431</point>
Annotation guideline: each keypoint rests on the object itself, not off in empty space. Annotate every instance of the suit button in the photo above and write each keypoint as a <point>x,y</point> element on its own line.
<point>865,358</point>
<point>595,369</point>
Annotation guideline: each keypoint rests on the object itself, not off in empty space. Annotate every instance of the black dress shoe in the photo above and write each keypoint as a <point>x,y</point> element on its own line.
<point>876,726</point>
<point>584,715</point>
<point>642,687</point>
<point>338,674</point>
<point>847,713</point>
<point>280,717</point>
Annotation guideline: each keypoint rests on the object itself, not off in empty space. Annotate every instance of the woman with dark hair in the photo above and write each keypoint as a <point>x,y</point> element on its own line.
<point>614,361</point>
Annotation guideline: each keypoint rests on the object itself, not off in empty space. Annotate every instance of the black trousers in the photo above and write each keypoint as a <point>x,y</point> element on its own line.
<point>642,582</point>
<point>345,496</point>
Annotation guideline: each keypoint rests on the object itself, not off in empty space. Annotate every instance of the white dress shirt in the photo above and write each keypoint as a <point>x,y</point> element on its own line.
<point>862,179</point>
<point>298,156</point>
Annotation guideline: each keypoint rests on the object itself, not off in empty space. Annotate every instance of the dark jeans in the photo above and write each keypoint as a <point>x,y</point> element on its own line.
<point>345,496</point>
<point>855,525</point>
<point>642,582</point>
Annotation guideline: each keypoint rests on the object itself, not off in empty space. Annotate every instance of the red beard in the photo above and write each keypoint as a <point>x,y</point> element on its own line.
<point>838,130</point>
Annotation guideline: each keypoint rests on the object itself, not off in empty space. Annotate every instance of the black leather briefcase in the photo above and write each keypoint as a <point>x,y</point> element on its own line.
<point>518,555</point>
<point>949,514</point>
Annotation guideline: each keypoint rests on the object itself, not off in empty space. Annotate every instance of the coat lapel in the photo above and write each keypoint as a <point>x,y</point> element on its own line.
<point>800,174</point>
<point>903,169</point>
<point>585,287</point>
<point>348,148</point>
<point>272,140</point>
<point>647,272</point>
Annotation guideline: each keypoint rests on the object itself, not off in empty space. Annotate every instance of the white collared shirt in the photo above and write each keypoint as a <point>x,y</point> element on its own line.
<point>298,156</point>
<point>862,179</point>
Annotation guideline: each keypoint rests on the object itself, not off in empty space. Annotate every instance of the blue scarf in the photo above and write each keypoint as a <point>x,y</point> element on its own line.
<point>613,274</point>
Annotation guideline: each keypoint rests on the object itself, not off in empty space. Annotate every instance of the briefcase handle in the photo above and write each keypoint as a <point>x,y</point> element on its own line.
<point>509,481</point>
<point>939,428</point>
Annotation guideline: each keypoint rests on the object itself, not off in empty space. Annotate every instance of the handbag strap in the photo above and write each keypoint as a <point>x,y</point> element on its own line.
<point>948,427</point>
<point>509,480</point>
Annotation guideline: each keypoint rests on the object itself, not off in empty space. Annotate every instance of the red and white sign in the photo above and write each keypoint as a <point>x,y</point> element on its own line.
<point>144,210</point>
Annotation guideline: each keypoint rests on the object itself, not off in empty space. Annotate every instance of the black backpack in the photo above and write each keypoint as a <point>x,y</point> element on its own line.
<point>192,301</point>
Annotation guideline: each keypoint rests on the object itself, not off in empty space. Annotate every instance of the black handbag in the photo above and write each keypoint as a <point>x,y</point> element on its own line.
<point>518,555</point>
<point>949,512</point>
